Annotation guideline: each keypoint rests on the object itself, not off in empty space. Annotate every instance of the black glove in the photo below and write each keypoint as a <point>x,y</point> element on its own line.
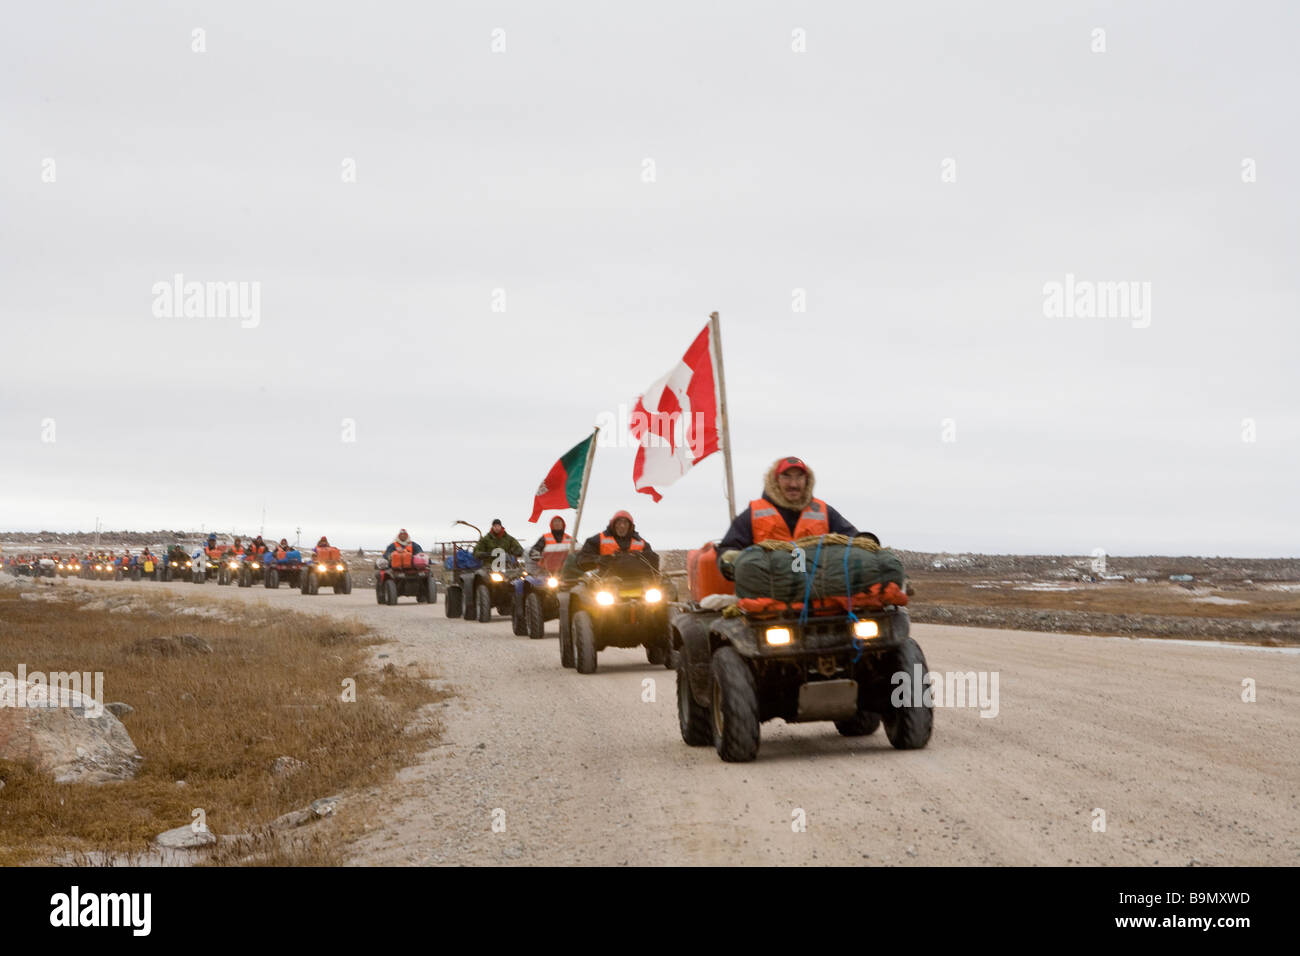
<point>727,564</point>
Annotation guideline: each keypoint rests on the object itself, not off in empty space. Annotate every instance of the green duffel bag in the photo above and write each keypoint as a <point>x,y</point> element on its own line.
<point>761,573</point>
<point>836,577</point>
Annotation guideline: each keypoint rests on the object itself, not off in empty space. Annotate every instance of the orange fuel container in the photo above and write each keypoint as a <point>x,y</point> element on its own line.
<point>702,573</point>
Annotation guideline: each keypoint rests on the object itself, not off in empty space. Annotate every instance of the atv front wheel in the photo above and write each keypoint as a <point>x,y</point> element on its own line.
<point>584,643</point>
<point>345,584</point>
<point>453,603</point>
<point>534,619</point>
<point>390,591</point>
<point>909,727</point>
<point>517,623</point>
<point>433,590</point>
<point>656,654</point>
<point>735,707</point>
<point>482,604</point>
<point>566,638</point>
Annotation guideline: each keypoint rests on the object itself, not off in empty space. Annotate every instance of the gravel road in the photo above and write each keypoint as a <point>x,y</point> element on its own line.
<point>587,770</point>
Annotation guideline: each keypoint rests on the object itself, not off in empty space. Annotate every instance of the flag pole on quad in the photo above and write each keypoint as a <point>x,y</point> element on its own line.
<point>715,325</point>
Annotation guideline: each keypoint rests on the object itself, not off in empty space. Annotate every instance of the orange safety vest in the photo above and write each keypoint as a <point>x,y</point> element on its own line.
<point>554,550</point>
<point>609,544</point>
<point>398,546</point>
<point>768,524</point>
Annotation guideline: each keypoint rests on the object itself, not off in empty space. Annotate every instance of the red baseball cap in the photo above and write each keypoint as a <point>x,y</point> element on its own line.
<point>787,463</point>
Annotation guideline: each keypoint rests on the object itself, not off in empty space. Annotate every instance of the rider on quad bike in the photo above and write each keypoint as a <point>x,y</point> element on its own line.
<point>620,536</point>
<point>495,538</point>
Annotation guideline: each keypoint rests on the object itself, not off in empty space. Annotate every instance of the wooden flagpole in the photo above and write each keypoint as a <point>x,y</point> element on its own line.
<point>582,495</point>
<point>715,325</point>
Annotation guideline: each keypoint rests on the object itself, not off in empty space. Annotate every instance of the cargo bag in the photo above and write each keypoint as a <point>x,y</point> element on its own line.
<point>837,570</point>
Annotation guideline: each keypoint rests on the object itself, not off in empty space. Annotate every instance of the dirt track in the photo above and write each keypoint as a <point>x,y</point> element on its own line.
<point>587,773</point>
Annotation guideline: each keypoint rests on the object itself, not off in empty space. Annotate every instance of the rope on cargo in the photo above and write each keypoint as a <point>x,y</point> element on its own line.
<point>864,543</point>
<point>812,573</point>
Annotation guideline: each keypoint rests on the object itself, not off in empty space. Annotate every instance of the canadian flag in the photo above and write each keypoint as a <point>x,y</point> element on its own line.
<point>676,421</point>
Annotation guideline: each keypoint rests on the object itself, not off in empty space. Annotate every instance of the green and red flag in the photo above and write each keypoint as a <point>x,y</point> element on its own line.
<point>562,486</point>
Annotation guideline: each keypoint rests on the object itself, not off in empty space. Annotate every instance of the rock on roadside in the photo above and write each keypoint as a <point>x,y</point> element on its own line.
<point>185,838</point>
<point>76,741</point>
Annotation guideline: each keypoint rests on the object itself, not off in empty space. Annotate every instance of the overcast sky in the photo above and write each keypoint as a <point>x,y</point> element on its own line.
<point>921,172</point>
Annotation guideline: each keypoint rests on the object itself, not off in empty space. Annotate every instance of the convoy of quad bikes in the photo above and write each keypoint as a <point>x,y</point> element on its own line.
<point>782,631</point>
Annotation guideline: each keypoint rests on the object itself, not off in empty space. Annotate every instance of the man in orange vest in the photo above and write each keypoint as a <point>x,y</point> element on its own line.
<point>552,548</point>
<point>787,511</point>
<point>402,543</point>
<point>619,537</point>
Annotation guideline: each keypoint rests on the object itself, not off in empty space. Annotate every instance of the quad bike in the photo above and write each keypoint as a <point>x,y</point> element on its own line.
<point>478,588</point>
<point>406,575</point>
<point>623,603</point>
<point>252,567</point>
<point>327,569</point>
<point>289,569</point>
<point>176,564</point>
<point>851,661</point>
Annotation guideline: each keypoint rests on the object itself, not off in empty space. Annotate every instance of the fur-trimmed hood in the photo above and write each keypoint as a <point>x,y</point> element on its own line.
<point>773,490</point>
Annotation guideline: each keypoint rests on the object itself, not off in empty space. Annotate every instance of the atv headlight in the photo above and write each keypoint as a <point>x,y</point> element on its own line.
<point>777,635</point>
<point>232,565</point>
<point>497,576</point>
<point>552,582</point>
<point>653,596</point>
<point>866,629</point>
<point>604,597</point>
<point>256,565</point>
<point>189,564</point>
<point>339,568</point>
<point>321,567</point>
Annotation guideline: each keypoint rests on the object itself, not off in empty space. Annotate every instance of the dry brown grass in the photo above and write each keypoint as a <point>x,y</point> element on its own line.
<point>270,687</point>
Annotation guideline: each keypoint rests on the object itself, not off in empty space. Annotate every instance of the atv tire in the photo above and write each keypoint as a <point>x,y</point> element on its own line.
<point>272,579</point>
<point>534,619</point>
<point>656,654</point>
<point>694,721</point>
<point>862,724</point>
<point>453,603</point>
<point>908,728</point>
<point>517,622</point>
<point>432,584</point>
<point>734,707</point>
<point>584,643</point>
<point>566,638</point>
<point>390,591</point>
<point>345,584</point>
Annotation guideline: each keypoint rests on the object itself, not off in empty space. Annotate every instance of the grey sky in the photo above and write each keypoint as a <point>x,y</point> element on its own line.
<point>774,171</point>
